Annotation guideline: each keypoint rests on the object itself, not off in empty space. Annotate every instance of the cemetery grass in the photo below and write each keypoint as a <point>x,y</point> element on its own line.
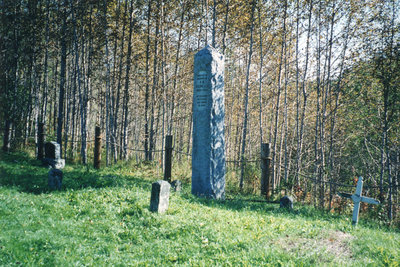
<point>102,218</point>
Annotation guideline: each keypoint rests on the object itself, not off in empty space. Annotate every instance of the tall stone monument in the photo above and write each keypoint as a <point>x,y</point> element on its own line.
<point>208,153</point>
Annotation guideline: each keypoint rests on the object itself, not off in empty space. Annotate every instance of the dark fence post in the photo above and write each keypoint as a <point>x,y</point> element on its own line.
<point>41,136</point>
<point>7,136</point>
<point>97,148</point>
<point>265,170</point>
<point>168,158</point>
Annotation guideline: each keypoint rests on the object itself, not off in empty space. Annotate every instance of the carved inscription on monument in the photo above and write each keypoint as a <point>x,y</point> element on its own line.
<point>201,90</point>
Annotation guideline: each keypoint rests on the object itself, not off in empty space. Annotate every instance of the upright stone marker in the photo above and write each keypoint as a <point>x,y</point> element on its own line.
<point>176,185</point>
<point>286,202</point>
<point>208,153</point>
<point>159,196</point>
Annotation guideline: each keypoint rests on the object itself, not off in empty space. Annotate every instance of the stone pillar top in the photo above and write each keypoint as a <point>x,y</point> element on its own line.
<point>52,150</point>
<point>211,51</point>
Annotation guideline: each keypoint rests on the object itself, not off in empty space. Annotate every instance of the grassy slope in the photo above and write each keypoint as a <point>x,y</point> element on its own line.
<point>102,218</point>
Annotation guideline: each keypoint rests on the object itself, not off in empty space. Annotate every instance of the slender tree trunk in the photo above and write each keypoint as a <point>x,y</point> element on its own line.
<point>317,160</point>
<point>285,111</point>
<point>55,103</point>
<point>325,106</point>
<point>178,49</point>
<point>63,63</point>
<point>225,27</point>
<point>108,88</point>
<point>163,87</point>
<point>206,21</point>
<point>126,89</point>
<point>213,43</point>
<point>305,100</point>
<point>7,136</point>
<point>296,178</point>
<point>337,93</point>
<point>155,85</point>
<point>277,108</point>
<point>43,109</point>
<point>147,92</point>
<point>260,77</point>
<point>67,122</point>
<point>76,79</point>
<point>246,98</point>
<point>119,79</point>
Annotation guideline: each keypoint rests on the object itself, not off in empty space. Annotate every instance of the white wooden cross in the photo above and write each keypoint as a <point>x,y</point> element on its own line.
<point>357,198</point>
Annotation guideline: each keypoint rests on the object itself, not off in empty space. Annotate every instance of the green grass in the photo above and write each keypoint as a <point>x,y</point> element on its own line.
<point>101,218</point>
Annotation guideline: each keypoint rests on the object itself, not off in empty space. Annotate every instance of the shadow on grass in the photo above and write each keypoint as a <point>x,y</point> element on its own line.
<point>304,211</point>
<point>258,205</point>
<point>28,175</point>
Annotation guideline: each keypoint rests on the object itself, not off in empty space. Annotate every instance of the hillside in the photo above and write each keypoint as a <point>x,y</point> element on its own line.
<point>102,218</point>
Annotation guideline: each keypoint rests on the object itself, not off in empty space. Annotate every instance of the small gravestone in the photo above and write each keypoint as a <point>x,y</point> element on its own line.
<point>176,185</point>
<point>53,155</point>
<point>286,202</point>
<point>208,153</point>
<point>159,196</point>
<point>55,179</point>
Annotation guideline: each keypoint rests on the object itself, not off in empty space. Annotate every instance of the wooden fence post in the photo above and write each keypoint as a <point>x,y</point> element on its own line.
<point>97,148</point>
<point>41,136</point>
<point>265,170</point>
<point>168,158</point>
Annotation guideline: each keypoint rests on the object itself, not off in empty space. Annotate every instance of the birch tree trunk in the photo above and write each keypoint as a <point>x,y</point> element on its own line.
<point>147,91</point>
<point>275,166</point>
<point>63,63</point>
<point>246,98</point>
<point>108,118</point>
<point>155,85</point>
<point>126,89</point>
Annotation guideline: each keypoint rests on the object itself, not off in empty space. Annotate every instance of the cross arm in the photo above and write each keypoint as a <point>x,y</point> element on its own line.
<point>370,200</point>
<point>347,195</point>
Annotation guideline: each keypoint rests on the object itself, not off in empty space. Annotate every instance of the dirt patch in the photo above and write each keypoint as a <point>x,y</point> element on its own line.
<point>336,244</point>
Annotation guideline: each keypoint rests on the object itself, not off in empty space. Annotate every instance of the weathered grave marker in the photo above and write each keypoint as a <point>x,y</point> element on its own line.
<point>208,153</point>
<point>159,196</point>
<point>286,202</point>
<point>176,185</point>
<point>53,155</point>
<point>55,179</point>
<point>357,198</point>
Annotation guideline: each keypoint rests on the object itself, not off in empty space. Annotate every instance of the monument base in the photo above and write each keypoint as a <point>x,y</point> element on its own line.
<point>55,179</point>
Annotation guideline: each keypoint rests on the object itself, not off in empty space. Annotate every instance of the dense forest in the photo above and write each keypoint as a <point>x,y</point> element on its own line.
<point>318,80</point>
